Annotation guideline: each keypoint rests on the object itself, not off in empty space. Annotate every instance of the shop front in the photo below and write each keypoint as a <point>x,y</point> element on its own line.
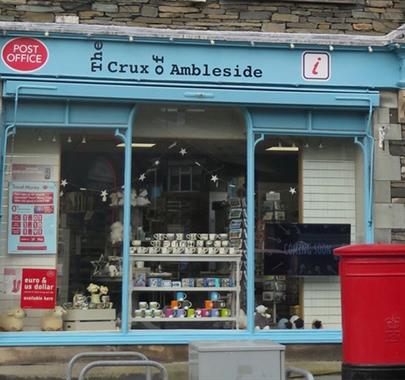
<point>161,188</point>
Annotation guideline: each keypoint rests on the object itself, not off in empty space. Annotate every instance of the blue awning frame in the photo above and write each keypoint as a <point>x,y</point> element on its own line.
<point>21,95</point>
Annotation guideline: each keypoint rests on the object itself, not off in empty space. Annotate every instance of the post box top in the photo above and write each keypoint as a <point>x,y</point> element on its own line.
<point>364,250</point>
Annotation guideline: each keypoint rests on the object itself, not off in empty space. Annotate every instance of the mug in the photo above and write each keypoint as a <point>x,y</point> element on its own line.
<point>158,313</point>
<point>105,298</point>
<point>154,305</point>
<point>174,304</point>
<point>180,313</point>
<point>198,313</point>
<point>159,236</point>
<point>142,250</point>
<point>203,236</point>
<point>223,251</point>
<point>209,243</point>
<point>176,284</point>
<point>169,312</point>
<point>224,313</point>
<point>199,282</point>
<point>217,282</point>
<point>179,236</point>
<point>154,282</point>
<point>217,243</point>
<point>188,282</point>
<point>156,243</point>
<point>136,243</point>
<point>183,243</point>
<point>166,283</point>
<point>139,264</point>
<point>176,250</point>
<point>189,250</point>
<point>232,250</point>
<point>186,304</point>
<point>151,250</point>
<point>215,313</point>
<point>214,296</point>
<point>181,250</point>
<point>148,313</point>
<point>139,313</point>
<point>170,236</point>
<point>174,244</point>
<point>219,304</point>
<point>181,296</point>
<point>225,243</point>
<point>199,243</point>
<point>143,305</point>
<point>208,304</point>
<point>190,243</point>
<point>190,313</point>
<point>205,312</point>
<point>223,236</point>
<point>166,250</point>
<point>192,236</point>
<point>166,243</point>
<point>212,236</point>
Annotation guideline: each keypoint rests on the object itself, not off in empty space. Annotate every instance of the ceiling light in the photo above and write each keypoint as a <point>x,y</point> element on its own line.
<point>137,145</point>
<point>54,139</point>
<point>283,149</point>
<point>39,138</point>
<point>69,139</point>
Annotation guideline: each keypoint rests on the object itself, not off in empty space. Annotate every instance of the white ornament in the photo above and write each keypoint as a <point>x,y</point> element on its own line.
<point>142,177</point>
<point>104,195</point>
<point>64,182</point>
<point>214,178</point>
<point>292,190</point>
<point>157,162</point>
<point>61,193</point>
<point>183,151</point>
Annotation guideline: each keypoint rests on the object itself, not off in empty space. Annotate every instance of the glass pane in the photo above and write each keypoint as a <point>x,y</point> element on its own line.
<point>188,252</point>
<point>59,245</point>
<point>304,209</point>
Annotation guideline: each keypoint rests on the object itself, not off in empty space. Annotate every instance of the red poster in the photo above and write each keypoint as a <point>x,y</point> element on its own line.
<point>38,288</point>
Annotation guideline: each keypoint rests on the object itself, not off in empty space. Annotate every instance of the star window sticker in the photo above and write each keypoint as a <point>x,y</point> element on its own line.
<point>292,191</point>
<point>183,151</point>
<point>214,178</point>
<point>64,182</point>
<point>157,162</point>
<point>142,177</point>
<point>104,195</point>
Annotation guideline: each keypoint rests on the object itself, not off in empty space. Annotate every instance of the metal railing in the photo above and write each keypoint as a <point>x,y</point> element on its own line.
<point>110,355</point>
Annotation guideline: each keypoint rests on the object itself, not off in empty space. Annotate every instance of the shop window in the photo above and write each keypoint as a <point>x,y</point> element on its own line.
<point>305,207</point>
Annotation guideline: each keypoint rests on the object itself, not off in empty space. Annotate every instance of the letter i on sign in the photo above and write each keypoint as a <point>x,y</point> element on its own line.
<point>316,66</point>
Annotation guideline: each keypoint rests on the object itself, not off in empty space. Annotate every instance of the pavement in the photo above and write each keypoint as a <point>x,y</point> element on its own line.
<point>177,371</point>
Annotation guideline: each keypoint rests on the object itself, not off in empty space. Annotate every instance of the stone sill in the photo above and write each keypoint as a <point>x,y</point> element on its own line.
<point>358,2</point>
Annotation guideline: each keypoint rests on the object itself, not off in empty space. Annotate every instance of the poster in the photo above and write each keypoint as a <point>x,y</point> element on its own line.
<point>38,288</point>
<point>12,281</point>
<point>32,221</point>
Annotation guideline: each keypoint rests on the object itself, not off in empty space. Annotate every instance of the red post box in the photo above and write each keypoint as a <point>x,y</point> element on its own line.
<point>373,311</point>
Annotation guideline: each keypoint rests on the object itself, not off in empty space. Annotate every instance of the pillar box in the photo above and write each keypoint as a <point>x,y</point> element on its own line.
<point>373,311</point>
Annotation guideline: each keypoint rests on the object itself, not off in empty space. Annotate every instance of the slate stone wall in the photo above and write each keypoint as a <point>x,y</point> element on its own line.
<point>338,16</point>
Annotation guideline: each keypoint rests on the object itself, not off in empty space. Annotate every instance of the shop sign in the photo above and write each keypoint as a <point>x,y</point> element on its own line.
<point>32,219</point>
<point>38,288</point>
<point>316,66</point>
<point>24,54</point>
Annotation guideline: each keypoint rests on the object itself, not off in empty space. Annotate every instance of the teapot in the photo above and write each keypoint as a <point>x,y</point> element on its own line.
<point>80,301</point>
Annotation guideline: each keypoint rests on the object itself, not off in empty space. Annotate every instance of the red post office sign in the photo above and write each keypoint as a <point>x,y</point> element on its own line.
<point>38,289</point>
<point>24,54</point>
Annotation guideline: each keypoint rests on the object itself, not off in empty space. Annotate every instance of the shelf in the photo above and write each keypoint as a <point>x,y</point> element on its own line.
<point>185,319</point>
<point>186,258</point>
<point>186,289</point>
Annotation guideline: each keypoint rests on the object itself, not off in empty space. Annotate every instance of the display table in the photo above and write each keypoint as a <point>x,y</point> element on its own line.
<point>90,319</point>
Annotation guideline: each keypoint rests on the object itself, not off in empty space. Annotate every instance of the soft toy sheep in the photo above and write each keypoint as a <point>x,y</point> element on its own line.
<point>12,320</point>
<point>53,320</point>
<point>262,319</point>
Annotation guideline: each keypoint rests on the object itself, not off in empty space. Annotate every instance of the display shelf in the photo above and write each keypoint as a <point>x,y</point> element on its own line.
<point>188,289</point>
<point>186,258</point>
<point>185,319</point>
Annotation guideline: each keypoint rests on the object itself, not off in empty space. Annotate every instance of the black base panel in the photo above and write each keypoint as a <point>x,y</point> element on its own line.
<point>353,372</point>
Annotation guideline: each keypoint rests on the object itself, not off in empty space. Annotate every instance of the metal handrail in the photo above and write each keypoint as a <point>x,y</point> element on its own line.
<point>81,355</point>
<point>300,371</point>
<point>123,363</point>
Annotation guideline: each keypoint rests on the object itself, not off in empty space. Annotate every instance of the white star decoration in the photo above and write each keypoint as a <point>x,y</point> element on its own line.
<point>142,177</point>
<point>104,195</point>
<point>214,178</point>
<point>157,162</point>
<point>183,151</point>
<point>63,183</point>
<point>61,193</point>
<point>292,190</point>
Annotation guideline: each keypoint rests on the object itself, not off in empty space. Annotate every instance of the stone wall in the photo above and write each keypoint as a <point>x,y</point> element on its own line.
<point>389,177</point>
<point>322,16</point>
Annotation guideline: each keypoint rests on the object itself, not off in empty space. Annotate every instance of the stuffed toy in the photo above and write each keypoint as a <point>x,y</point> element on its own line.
<point>317,324</point>
<point>262,319</point>
<point>297,322</point>
<point>113,271</point>
<point>284,323</point>
<point>12,320</point>
<point>53,320</point>
<point>142,199</point>
<point>116,234</point>
<point>134,197</point>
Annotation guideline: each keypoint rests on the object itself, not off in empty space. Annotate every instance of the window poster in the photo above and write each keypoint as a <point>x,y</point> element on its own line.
<point>38,289</point>
<point>32,221</point>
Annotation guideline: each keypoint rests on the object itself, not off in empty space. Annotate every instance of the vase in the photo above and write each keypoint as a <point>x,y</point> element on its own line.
<point>95,298</point>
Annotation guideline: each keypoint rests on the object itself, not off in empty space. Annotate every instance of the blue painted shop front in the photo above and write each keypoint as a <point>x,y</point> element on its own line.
<point>89,82</point>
